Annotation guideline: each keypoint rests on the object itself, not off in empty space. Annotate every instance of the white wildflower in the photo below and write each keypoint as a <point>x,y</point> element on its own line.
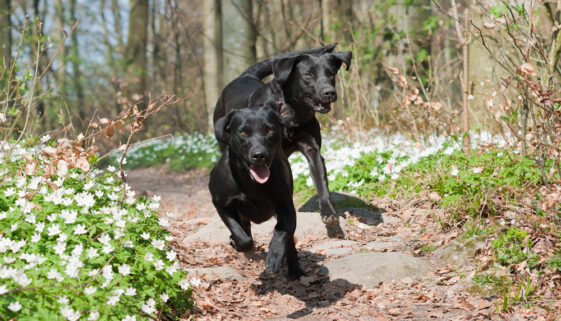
<point>124,269</point>
<point>90,290</point>
<point>53,229</point>
<point>15,306</point>
<point>159,265</point>
<point>158,244</point>
<point>130,291</point>
<point>80,229</point>
<point>94,315</point>
<point>184,284</point>
<point>171,255</point>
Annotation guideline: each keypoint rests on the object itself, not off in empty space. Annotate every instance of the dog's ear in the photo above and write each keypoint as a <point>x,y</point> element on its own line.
<point>282,68</point>
<point>222,128</point>
<point>341,56</point>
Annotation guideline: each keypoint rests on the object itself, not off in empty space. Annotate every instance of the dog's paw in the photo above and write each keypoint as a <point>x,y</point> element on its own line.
<point>241,245</point>
<point>335,231</point>
<point>330,220</point>
<point>273,263</point>
<point>295,272</point>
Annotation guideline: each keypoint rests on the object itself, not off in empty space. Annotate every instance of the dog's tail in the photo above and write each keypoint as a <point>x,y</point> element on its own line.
<point>264,68</point>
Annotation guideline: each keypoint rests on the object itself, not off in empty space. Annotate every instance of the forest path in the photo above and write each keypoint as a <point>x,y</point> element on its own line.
<point>382,270</point>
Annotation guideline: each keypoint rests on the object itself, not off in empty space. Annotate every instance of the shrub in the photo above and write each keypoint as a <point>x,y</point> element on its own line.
<point>68,250</point>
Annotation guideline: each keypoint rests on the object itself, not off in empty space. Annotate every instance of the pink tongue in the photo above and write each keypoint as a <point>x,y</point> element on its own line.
<point>260,173</point>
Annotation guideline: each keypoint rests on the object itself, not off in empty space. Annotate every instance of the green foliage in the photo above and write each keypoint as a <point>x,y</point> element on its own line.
<point>462,181</point>
<point>68,249</point>
<point>513,247</point>
<point>555,260</point>
<point>180,153</point>
<point>498,10</point>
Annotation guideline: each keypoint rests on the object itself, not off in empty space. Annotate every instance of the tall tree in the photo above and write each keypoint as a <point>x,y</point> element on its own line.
<point>61,55</point>
<point>135,52</point>
<point>212,56</point>
<point>5,33</point>
<point>238,37</point>
<point>346,19</point>
<point>76,73</point>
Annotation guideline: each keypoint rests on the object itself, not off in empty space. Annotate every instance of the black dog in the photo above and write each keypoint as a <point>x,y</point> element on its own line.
<point>252,182</point>
<point>308,86</point>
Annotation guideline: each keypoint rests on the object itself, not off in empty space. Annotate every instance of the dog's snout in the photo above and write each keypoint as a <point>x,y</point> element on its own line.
<point>258,156</point>
<point>329,93</point>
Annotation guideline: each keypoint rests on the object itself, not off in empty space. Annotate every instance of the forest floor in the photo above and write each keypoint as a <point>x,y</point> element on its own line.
<point>380,271</point>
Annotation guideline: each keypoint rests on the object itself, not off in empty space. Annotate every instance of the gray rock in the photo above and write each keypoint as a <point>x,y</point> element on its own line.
<point>306,224</point>
<point>369,269</point>
<point>339,247</point>
<point>462,251</point>
<point>214,231</point>
<point>213,273</point>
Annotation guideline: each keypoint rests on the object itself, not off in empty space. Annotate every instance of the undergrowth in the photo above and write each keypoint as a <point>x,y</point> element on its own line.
<point>69,250</point>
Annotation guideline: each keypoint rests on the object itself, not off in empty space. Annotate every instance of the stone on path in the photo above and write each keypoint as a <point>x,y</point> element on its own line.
<point>371,268</point>
<point>308,224</point>
<point>215,273</point>
<point>338,247</point>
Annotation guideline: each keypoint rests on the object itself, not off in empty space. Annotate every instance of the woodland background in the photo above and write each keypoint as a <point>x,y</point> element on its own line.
<point>419,67</point>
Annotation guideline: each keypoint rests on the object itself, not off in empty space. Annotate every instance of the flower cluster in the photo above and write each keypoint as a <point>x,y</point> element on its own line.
<point>70,251</point>
<point>395,153</point>
<point>180,152</point>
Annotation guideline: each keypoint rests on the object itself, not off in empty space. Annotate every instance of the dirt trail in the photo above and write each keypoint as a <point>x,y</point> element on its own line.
<point>378,272</point>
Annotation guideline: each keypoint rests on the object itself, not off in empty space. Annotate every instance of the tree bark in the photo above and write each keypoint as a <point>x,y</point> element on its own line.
<point>135,53</point>
<point>61,56</point>
<point>211,46</point>
<point>76,73</point>
<point>346,19</point>
<point>5,33</point>
<point>238,37</point>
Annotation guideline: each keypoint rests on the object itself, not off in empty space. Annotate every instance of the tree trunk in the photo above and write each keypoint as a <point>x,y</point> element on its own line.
<point>238,37</point>
<point>76,73</point>
<point>117,18</point>
<point>61,56</point>
<point>135,53</point>
<point>326,35</point>
<point>5,33</point>
<point>211,45</point>
<point>346,19</point>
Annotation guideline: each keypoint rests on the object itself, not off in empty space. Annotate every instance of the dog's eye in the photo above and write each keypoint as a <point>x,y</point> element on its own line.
<point>309,75</point>
<point>243,133</point>
<point>269,131</point>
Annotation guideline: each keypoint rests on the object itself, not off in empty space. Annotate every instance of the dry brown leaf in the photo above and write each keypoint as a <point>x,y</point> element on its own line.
<point>83,164</point>
<point>108,132</point>
<point>526,69</point>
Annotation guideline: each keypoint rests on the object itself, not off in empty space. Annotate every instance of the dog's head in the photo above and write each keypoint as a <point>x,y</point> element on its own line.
<point>310,79</point>
<point>254,137</point>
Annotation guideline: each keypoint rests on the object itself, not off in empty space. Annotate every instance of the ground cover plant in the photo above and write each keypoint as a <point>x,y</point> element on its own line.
<point>69,250</point>
<point>183,152</point>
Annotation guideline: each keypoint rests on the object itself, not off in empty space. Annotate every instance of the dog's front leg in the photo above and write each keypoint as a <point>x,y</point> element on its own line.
<point>308,146</point>
<point>240,240</point>
<point>283,244</point>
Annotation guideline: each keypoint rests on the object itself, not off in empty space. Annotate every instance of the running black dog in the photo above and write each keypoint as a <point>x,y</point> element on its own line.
<point>307,81</point>
<point>252,182</point>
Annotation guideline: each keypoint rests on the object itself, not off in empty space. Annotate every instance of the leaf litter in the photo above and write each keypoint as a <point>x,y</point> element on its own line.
<point>259,296</point>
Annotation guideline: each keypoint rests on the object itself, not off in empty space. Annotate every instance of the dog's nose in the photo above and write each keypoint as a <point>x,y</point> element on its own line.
<point>258,157</point>
<point>329,93</point>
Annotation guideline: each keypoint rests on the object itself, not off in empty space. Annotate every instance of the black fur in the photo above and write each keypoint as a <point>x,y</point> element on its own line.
<point>306,80</point>
<point>239,199</point>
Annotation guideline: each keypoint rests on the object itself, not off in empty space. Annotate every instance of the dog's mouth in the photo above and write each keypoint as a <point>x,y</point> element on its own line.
<point>319,107</point>
<point>260,173</point>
